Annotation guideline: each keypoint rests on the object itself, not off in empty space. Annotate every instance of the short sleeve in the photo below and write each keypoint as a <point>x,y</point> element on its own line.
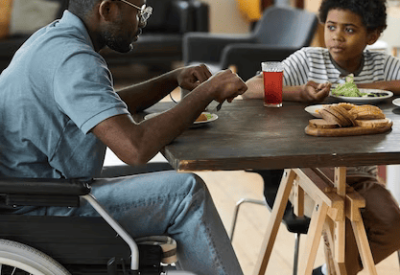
<point>296,68</point>
<point>392,68</point>
<point>84,92</point>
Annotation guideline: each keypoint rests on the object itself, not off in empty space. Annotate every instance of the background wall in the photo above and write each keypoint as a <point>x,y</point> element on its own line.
<point>312,5</point>
<point>392,33</point>
<point>226,18</point>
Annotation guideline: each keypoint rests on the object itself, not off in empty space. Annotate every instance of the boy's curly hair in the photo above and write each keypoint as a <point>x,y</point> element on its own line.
<point>372,12</point>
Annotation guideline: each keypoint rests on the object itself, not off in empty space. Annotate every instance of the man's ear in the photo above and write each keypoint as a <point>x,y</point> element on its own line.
<point>108,10</point>
<point>373,36</point>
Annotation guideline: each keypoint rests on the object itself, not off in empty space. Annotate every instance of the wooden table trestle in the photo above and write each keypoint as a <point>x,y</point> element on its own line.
<point>334,201</point>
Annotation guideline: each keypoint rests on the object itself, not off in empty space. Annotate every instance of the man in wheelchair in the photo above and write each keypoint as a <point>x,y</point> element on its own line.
<point>59,112</point>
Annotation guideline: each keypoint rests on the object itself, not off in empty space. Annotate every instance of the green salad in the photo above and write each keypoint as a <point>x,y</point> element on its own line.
<point>209,116</point>
<point>348,89</point>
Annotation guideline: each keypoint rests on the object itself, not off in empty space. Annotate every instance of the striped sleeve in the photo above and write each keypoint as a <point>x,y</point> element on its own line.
<point>296,69</point>
<point>392,68</point>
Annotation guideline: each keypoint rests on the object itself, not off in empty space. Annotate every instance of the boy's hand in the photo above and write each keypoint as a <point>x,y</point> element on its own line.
<point>315,92</point>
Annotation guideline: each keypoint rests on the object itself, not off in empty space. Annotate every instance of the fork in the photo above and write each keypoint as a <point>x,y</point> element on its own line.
<point>216,109</point>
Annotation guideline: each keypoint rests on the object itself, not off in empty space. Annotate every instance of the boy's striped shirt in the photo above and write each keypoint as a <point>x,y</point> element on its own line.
<point>315,64</point>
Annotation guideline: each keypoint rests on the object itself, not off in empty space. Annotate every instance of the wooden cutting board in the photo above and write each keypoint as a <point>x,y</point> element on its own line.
<point>347,131</point>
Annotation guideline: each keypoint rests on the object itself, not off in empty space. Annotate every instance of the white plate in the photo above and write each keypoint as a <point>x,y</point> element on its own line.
<point>312,109</point>
<point>365,100</point>
<point>196,123</point>
<point>396,102</point>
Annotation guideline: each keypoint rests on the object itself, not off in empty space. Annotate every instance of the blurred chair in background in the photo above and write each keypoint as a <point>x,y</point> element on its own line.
<point>280,32</point>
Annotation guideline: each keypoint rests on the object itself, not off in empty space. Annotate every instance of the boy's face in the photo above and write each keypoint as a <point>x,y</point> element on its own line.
<point>346,38</point>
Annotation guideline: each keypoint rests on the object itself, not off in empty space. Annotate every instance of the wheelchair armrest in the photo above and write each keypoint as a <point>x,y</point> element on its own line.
<point>39,186</point>
<point>43,192</point>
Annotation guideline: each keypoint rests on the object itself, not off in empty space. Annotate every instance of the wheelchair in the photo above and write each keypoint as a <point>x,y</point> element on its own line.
<point>49,245</point>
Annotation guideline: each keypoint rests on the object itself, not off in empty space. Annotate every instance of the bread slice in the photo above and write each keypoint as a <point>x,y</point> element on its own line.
<point>367,112</point>
<point>349,118</point>
<point>321,124</point>
<point>347,105</point>
<point>373,123</point>
<point>342,121</point>
<point>329,117</point>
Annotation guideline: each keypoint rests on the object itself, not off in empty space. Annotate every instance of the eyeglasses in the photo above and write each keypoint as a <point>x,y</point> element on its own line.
<point>144,11</point>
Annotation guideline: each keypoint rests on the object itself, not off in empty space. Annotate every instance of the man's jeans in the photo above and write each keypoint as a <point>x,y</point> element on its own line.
<point>165,203</point>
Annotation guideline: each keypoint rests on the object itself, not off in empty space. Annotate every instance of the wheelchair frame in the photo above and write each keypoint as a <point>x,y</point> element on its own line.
<point>49,192</point>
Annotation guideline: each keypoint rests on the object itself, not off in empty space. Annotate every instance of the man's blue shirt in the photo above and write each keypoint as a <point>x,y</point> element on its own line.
<point>56,89</point>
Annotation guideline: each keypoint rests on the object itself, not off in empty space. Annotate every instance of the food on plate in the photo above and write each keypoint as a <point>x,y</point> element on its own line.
<point>349,89</point>
<point>366,112</point>
<point>347,105</point>
<point>204,117</point>
<point>335,114</point>
<point>345,114</point>
<point>328,117</point>
<point>318,110</point>
<point>348,115</point>
<point>321,123</point>
<point>201,117</point>
<point>373,123</point>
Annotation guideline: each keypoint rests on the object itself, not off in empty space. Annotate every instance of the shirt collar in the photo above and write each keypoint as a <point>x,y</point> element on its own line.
<point>72,20</point>
<point>343,72</point>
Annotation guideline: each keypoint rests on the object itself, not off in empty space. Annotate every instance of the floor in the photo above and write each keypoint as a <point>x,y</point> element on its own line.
<point>227,188</point>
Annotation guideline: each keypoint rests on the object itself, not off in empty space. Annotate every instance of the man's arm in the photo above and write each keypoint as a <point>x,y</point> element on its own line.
<point>138,143</point>
<point>140,96</point>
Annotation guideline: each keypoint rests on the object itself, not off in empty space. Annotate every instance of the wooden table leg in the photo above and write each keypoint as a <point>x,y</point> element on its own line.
<point>333,267</point>
<point>363,247</point>
<point>340,229</point>
<point>275,220</point>
<point>330,207</point>
<point>314,236</point>
<point>355,202</point>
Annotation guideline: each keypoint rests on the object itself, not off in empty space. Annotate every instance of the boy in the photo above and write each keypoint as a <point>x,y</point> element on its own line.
<point>350,25</point>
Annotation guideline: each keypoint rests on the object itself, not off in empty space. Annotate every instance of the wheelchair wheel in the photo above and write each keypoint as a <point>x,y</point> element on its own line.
<point>20,259</point>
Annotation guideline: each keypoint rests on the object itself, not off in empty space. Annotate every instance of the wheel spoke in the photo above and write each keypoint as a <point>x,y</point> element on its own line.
<point>20,259</point>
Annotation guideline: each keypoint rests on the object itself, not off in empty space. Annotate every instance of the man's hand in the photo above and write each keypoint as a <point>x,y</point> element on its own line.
<point>192,76</point>
<point>314,92</point>
<point>225,85</point>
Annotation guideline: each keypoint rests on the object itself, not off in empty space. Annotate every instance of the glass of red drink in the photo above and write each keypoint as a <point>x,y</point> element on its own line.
<point>273,82</point>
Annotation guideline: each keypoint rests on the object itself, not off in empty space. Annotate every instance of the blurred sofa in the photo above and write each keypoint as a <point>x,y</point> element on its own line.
<point>159,45</point>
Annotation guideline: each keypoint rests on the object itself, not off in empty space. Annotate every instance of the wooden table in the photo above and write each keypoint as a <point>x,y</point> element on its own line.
<point>248,135</point>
